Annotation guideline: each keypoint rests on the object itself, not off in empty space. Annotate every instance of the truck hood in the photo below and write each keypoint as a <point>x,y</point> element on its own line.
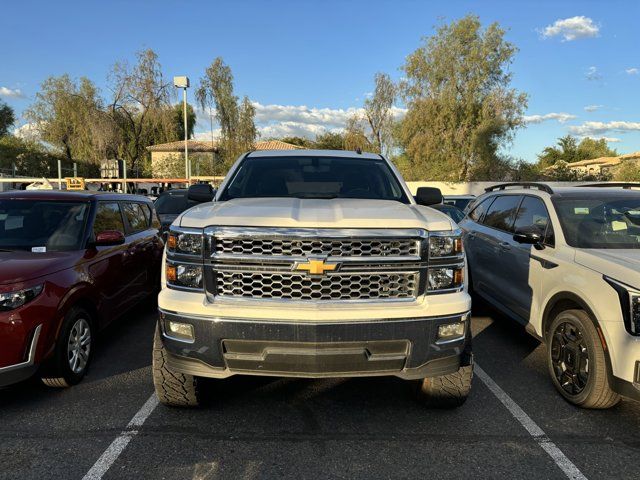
<point>619,264</point>
<point>19,266</point>
<point>319,213</point>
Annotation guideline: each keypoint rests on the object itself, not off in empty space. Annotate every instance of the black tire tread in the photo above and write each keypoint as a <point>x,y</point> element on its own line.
<point>172,388</point>
<point>446,391</point>
<point>601,395</point>
<point>53,373</point>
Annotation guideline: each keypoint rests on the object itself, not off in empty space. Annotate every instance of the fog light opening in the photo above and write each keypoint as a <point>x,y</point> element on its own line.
<point>451,331</point>
<point>181,330</point>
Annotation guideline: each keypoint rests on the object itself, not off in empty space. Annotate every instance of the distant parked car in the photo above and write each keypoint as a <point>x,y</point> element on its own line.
<point>70,263</point>
<point>458,201</point>
<point>172,203</point>
<point>565,263</point>
<point>453,212</point>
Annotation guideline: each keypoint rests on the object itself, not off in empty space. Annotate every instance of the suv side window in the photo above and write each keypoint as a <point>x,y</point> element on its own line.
<point>502,212</point>
<point>135,217</point>
<point>108,217</point>
<point>533,213</point>
<point>479,210</point>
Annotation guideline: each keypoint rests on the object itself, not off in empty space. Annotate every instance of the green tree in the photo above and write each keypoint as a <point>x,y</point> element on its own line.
<point>178,120</point>
<point>300,141</point>
<point>329,141</point>
<point>237,128</point>
<point>140,109</point>
<point>379,114</point>
<point>355,137</point>
<point>461,108</point>
<point>567,149</point>
<point>7,118</point>
<point>628,172</point>
<point>68,114</point>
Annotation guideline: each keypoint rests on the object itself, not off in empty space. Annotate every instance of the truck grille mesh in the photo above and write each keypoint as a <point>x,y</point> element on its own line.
<point>321,247</point>
<point>348,286</point>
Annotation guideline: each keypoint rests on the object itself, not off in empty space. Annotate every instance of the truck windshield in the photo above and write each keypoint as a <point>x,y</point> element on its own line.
<point>314,177</point>
<point>42,225</point>
<point>600,222</point>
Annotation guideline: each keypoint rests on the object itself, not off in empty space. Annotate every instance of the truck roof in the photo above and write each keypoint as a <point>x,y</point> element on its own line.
<point>313,153</point>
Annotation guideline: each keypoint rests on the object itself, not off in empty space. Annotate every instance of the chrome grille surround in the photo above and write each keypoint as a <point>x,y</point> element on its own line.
<point>258,263</point>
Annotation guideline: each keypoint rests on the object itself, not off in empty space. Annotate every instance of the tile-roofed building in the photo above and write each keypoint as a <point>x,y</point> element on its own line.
<point>596,166</point>
<point>167,159</point>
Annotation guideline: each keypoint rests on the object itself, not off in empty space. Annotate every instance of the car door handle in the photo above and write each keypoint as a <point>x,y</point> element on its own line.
<point>505,245</point>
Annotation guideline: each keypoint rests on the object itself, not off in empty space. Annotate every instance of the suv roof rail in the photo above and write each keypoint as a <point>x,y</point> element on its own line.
<point>626,185</point>
<point>503,186</point>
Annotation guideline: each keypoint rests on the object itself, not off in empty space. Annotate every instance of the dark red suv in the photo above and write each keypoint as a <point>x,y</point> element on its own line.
<point>70,263</point>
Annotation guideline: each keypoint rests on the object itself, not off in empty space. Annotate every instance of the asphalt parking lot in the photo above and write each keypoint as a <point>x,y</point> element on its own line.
<point>513,426</point>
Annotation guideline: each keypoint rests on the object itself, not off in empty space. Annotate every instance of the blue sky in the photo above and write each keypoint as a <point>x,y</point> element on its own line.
<point>306,63</point>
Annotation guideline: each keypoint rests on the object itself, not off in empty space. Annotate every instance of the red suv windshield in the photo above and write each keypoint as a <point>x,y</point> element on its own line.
<point>42,225</point>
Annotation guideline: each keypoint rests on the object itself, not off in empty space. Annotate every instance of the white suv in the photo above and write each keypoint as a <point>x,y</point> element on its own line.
<point>565,262</point>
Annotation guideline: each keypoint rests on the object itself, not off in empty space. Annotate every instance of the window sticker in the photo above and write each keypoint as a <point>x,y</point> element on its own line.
<point>581,210</point>
<point>38,249</point>
<point>11,223</point>
<point>617,225</point>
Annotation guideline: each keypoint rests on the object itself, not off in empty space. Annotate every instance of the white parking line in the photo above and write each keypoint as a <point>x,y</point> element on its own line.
<point>570,470</point>
<point>114,450</point>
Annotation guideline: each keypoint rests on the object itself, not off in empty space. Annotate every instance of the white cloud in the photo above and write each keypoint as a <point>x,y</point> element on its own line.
<point>572,28</point>
<point>592,74</point>
<point>592,108</point>
<point>300,120</point>
<point>275,120</point>
<point>606,139</point>
<point>9,92</point>
<point>597,129</point>
<point>560,117</point>
<point>28,131</point>
<point>632,71</point>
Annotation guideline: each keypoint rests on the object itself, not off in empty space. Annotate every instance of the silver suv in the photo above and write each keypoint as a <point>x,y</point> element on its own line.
<point>565,262</point>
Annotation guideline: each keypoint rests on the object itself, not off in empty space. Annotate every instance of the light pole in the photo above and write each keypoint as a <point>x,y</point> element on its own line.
<point>183,82</point>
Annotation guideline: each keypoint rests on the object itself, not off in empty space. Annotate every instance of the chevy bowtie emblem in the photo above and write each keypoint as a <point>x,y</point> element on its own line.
<point>315,266</point>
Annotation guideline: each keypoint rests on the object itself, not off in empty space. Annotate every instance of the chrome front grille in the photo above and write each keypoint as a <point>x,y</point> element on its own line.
<point>274,264</point>
<point>318,247</point>
<point>340,286</point>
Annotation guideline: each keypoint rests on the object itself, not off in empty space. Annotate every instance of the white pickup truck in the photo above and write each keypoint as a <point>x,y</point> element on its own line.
<point>314,263</point>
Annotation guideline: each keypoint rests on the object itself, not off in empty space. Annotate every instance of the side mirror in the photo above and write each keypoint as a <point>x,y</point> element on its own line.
<point>201,192</point>
<point>428,196</point>
<point>108,238</point>
<point>528,236</point>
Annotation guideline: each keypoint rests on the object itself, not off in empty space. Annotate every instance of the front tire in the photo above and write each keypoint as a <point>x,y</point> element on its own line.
<point>172,388</point>
<point>73,350</point>
<point>577,362</point>
<point>446,391</point>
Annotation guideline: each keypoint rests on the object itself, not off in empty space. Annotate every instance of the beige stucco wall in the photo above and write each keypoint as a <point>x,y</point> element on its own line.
<point>171,164</point>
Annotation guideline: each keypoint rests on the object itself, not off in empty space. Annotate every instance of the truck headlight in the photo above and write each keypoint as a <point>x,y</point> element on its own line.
<point>629,303</point>
<point>445,244</point>
<point>185,243</point>
<point>445,278</point>
<point>184,275</point>
<point>17,298</point>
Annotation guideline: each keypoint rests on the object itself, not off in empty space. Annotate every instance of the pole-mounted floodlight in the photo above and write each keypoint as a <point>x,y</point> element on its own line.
<point>183,82</point>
